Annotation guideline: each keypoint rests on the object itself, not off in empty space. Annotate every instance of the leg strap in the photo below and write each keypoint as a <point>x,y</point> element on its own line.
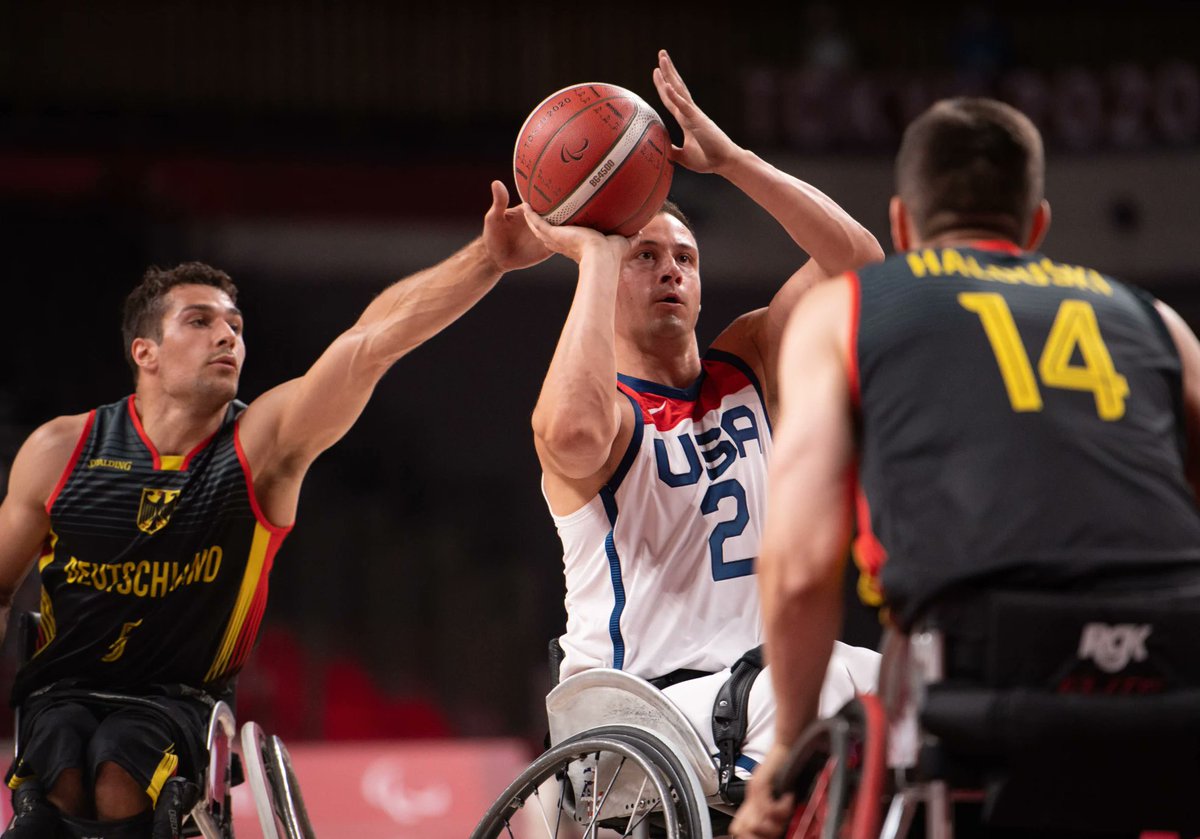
<point>730,721</point>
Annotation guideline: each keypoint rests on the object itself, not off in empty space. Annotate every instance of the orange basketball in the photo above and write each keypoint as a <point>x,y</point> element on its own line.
<point>594,155</point>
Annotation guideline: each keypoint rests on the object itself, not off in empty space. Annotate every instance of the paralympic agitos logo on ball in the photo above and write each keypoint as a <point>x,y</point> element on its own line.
<point>566,155</point>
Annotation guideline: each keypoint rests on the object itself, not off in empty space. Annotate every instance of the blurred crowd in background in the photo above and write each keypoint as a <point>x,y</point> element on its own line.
<point>318,150</point>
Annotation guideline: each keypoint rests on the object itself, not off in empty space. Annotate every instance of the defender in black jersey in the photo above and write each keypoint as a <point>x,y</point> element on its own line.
<point>154,522</point>
<point>995,417</point>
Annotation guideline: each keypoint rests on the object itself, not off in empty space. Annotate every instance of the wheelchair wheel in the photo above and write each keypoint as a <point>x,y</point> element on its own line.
<point>694,816</point>
<point>593,786</point>
<point>287,791</point>
<point>281,811</point>
<point>838,772</point>
<point>694,819</point>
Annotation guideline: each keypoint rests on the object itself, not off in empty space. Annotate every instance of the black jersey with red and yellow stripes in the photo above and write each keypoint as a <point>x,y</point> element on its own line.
<point>1021,424</point>
<point>155,569</point>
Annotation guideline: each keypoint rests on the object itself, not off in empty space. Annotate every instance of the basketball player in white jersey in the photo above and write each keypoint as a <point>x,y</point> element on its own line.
<point>654,456</point>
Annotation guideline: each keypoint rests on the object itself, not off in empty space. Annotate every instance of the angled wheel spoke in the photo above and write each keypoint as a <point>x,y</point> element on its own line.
<point>630,826</point>
<point>598,801</point>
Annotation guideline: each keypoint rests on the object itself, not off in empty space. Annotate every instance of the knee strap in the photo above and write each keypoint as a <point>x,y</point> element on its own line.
<point>731,712</point>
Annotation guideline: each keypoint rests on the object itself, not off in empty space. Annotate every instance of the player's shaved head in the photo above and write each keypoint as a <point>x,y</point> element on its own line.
<point>971,162</point>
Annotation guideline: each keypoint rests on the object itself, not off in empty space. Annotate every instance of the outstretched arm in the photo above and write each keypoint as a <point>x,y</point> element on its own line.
<point>578,417</point>
<point>24,522</point>
<point>834,241</point>
<point>287,427</point>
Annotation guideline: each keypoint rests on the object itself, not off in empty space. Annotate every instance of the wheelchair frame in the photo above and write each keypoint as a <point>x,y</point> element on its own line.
<point>267,764</point>
<point>1006,727</point>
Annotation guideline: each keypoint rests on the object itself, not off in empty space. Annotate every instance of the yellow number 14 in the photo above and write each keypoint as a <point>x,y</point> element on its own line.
<point>1075,327</point>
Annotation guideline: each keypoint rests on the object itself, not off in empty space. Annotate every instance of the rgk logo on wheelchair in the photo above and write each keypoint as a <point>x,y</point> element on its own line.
<point>1018,710</point>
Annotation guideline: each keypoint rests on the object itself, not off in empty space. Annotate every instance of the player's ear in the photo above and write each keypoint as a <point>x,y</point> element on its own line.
<point>144,353</point>
<point>902,238</point>
<point>1038,226</point>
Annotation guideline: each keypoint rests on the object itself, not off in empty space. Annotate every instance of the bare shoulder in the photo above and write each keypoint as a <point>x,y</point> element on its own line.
<point>823,319</point>
<point>264,410</point>
<point>45,454</point>
<point>259,425</point>
<point>744,328</point>
<point>829,303</point>
<point>744,337</point>
<point>56,439</point>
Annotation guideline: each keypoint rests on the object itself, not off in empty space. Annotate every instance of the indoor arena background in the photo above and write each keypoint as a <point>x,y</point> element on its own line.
<point>318,150</point>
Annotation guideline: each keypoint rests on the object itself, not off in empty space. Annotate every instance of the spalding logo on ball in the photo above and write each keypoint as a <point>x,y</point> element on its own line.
<point>594,155</point>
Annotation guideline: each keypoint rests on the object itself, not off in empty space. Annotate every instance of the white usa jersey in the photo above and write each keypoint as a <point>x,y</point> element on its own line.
<point>659,565</point>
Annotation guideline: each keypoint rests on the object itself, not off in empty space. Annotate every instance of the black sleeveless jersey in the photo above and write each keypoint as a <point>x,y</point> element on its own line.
<point>155,570</point>
<point>1021,422</point>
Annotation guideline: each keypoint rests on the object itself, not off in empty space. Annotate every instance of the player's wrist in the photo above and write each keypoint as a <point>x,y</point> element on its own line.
<point>600,255</point>
<point>734,161</point>
<point>481,253</point>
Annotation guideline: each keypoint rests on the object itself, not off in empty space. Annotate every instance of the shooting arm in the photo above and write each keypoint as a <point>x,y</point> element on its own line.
<point>577,416</point>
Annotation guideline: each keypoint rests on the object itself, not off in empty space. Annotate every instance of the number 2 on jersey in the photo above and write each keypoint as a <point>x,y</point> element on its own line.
<point>1075,328</point>
<point>722,570</point>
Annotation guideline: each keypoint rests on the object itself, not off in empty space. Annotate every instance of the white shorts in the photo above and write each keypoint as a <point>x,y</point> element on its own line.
<point>851,670</point>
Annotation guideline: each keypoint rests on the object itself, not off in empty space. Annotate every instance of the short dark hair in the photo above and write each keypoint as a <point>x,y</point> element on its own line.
<point>971,162</point>
<point>672,209</point>
<point>147,303</point>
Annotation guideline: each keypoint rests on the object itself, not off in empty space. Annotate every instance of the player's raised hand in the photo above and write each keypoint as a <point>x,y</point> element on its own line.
<point>706,148</point>
<point>510,242</point>
<point>570,240</point>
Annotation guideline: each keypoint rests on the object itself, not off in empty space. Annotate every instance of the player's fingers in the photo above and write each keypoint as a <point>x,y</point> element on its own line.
<point>671,73</point>
<point>499,195</point>
<point>549,235</point>
<point>499,198</point>
<point>681,107</point>
<point>666,94</point>
<point>536,223</point>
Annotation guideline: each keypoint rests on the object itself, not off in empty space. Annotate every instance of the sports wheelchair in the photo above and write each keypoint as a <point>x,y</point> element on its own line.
<point>622,759</point>
<point>263,762</point>
<point>1036,713</point>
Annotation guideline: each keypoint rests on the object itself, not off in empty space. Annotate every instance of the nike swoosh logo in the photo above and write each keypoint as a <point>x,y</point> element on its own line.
<point>659,408</point>
<point>565,153</point>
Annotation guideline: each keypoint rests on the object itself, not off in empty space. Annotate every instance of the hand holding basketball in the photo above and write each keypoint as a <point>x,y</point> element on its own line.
<point>571,240</point>
<point>706,148</point>
<point>508,240</point>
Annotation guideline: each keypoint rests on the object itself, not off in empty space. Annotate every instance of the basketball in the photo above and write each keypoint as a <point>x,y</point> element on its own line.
<point>594,155</point>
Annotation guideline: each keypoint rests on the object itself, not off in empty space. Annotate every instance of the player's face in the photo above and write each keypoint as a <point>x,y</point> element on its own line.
<point>659,293</point>
<point>202,351</point>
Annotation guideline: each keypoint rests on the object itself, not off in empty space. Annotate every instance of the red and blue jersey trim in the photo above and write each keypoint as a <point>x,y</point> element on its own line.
<point>665,407</point>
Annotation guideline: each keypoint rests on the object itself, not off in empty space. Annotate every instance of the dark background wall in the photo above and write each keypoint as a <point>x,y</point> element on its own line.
<point>320,150</point>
